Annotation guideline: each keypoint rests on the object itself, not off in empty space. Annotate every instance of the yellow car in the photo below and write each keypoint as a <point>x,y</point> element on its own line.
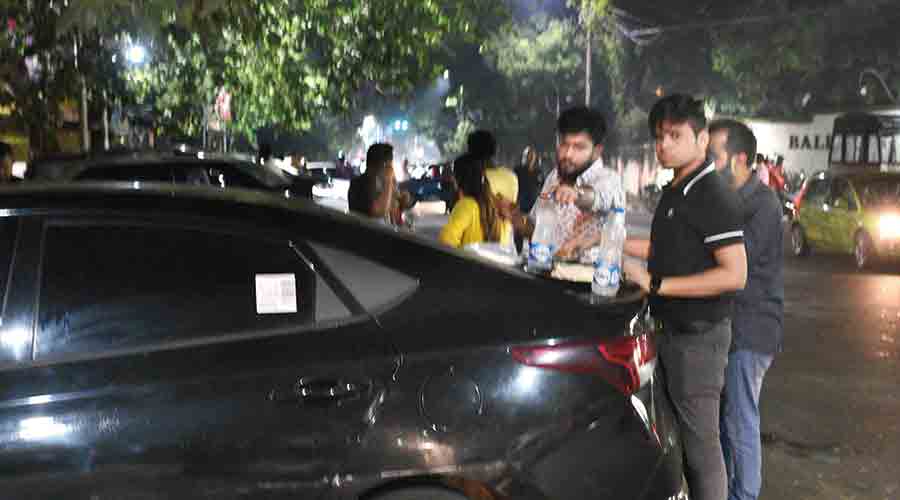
<point>852,213</point>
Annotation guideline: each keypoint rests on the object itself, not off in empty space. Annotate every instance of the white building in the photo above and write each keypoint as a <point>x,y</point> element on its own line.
<point>803,144</point>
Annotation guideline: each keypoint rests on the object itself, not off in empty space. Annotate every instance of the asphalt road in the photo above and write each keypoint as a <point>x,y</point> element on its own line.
<point>830,404</point>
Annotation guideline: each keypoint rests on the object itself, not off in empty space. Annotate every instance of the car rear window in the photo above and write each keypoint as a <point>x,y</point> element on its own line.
<point>128,173</point>
<point>119,287</point>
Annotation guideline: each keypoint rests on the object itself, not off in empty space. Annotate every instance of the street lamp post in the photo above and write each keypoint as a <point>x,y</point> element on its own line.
<point>880,78</point>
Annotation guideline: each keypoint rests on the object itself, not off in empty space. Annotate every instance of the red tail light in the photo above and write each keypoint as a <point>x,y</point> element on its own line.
<point>625,362</point>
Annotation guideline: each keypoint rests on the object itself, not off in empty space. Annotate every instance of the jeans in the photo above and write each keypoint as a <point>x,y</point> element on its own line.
<point>694,366</point>
<point>740,423</point>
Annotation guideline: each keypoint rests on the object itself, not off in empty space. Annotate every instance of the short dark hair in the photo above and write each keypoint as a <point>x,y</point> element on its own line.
<point>677,108</point>
<point>265,151</point>
<point>378,157</point>
<point>740,138</point>
<point>721,125</point>
<point>582,119</point>
<point>482,144</point>
<point>5,149</point>
<point>468,170</point>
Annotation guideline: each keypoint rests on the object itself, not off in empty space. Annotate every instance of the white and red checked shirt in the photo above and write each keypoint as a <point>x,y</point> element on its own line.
<point>608,193</point>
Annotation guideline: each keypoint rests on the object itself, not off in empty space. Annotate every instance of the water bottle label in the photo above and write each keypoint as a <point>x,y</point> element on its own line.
<point>540,253</point>
<point>607,276</point>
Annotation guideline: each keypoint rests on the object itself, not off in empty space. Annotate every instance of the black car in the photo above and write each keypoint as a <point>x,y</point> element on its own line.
<point>196,169</point>
<point>163,341</point>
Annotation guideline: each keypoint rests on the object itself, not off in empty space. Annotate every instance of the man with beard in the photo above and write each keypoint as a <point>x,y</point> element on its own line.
<point>582,187</point>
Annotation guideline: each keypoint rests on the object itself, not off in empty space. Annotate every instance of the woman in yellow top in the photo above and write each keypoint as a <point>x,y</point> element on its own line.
<point>475,217</point>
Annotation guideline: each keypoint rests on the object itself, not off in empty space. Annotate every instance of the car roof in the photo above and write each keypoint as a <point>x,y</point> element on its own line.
<point>168,197</point>
<point>865,176</point>
<point>69,168</point>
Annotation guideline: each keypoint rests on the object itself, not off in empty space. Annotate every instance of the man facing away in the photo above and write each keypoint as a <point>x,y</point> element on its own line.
<point>6,164</point>
<point>372,193</point>
<point>757,322</point>
<point>696,260</point>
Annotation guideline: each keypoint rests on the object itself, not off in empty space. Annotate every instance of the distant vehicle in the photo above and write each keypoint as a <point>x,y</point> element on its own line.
<point>865,141</point>
<point>331,190</point>
<point>206,170</point>
<point>850,213</point>
<point>184,342</point>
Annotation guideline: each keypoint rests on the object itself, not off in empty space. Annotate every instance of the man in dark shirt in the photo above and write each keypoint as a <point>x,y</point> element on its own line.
<point>757,322</point>
<point>696,261</point>
<point>6,163</point>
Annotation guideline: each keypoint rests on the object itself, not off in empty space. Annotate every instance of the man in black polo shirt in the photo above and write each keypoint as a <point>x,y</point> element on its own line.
<point>696,261</point>
<point>758,310</point>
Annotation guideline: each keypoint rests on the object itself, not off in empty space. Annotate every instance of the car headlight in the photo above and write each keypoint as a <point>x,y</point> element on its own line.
<point>889,226</point>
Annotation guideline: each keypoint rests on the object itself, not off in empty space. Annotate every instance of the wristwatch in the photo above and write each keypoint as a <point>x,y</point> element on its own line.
<point>655,283</point>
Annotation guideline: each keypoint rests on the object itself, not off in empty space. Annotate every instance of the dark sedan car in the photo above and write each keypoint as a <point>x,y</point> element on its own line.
<point>163,341</point>
<point>196,169</point>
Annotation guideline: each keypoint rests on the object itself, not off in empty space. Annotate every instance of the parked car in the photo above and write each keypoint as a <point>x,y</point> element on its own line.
<point>166,341</point>
<point>197,169</point>
<point>852,213</point>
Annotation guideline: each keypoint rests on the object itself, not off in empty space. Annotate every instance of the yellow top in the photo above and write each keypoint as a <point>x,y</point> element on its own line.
<point>464,226</point>
<point>503,182</point>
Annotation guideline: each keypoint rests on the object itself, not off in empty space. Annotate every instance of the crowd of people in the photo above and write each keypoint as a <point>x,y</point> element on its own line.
<point>714,260</point>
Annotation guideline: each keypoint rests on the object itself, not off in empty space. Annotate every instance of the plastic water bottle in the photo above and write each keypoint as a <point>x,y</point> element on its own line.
<point>543,242</point>
<point>608,266</point>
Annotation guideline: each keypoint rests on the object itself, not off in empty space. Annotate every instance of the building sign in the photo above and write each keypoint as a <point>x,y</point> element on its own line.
<point>815,141</point>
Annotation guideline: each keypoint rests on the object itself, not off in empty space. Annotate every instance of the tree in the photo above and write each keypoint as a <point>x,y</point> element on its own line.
<point>292,61</point>
<point>541,63</point>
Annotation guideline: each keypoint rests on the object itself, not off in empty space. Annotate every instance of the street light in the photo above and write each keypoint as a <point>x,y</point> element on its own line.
<point>863,90</point>
<point>136,54</point>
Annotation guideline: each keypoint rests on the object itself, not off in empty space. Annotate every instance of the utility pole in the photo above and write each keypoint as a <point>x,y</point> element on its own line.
<point>587,68</point>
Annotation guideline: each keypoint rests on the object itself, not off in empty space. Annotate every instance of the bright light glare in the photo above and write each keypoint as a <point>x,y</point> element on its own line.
<point>136,54</point>
<point>526,379</point>
<point>15,338</point>
<point>889,226</point>
<point>37,428</point>
<point>18,169</point>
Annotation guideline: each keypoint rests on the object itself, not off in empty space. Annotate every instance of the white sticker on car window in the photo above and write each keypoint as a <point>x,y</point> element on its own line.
<point>276,293</point>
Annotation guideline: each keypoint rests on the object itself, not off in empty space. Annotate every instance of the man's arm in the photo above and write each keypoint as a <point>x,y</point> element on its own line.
<point>522,225</point>
<point>637,247</point>
<point>729,275</point>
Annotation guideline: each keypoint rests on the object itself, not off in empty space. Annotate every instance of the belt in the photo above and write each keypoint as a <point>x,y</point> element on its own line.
<point>671,327</point>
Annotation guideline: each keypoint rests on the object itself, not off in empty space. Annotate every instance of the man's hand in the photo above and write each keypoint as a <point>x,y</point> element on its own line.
<point>564,194</point>
<point>405,198</point>
<point>635,273</point>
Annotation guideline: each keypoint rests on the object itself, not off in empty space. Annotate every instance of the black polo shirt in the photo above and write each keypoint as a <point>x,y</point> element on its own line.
<point>692,220</point>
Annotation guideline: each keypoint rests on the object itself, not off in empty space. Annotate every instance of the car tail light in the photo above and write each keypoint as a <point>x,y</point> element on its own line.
<point>625,362</point>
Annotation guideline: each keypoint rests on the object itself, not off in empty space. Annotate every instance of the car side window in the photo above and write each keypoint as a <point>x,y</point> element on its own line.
<point>107,287</point>
<point>817,193</point>
<point>128,173</point>
<point>376,287</point>
<point>840,194</point>
<point>227,176</point>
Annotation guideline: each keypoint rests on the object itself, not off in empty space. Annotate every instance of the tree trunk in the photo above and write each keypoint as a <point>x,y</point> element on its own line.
<point>105,122</point>
<point>85,129</point>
